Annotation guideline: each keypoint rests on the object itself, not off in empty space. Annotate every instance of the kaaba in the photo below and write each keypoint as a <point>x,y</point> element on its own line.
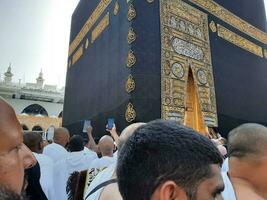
<point>202,63</point>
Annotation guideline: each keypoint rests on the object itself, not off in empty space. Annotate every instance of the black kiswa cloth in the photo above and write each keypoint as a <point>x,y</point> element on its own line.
<point>34,190</point>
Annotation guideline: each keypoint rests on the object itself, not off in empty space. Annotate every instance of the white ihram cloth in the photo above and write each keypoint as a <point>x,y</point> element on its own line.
<point>225,166</point>
<point>228,193</point>
<point>103,162</point>
<point>55,151</point>
<point>103,176</point>
<point>74,161</point>
<point>46,171</point>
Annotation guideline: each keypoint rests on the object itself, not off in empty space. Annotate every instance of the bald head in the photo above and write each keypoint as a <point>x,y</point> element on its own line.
<point>8,119</point>
<point>14,155</point>
<point>247,140</point>
<point>61,136</point>
<point>106,146</point>
<point>127,132</point>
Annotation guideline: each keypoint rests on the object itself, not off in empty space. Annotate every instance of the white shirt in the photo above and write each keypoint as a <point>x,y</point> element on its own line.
<point>228,193</point>
<point>55,151</point>
<point>103,176</point>
<point>46,179</point>
<point>102,162</point>
<point>74,161</point>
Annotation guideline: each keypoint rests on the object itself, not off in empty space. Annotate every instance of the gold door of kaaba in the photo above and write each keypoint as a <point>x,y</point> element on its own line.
<point>187,90</point>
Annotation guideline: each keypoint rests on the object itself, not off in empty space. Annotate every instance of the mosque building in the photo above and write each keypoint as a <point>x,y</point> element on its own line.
<point>38,106</point>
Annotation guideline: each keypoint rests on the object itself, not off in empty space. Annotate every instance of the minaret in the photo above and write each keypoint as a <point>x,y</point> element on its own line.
<point>40,80</point>
<point>8,75</point>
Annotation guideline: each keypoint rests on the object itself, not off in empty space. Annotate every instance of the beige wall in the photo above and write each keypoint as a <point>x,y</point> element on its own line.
<point>44,122</point>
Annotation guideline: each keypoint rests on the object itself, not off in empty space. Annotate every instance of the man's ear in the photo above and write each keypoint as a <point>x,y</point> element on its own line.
<point>169,191</point>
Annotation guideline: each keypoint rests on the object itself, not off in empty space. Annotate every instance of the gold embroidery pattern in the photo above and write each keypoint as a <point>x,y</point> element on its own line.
<point>116,8</point>
<point>76,56</point>
<point>130,113</point>
<point>88,24</point>
<point>265,53</point>
<point>86,43</point>
<point>239,41</point>
<point>103,24</point>
<point>185,45</point>
<point>130,84</point>
<point>213,27</point>
<point>131,60</point>
<point>228,17</point>
<point>131,36</point>
<point>131,12</point>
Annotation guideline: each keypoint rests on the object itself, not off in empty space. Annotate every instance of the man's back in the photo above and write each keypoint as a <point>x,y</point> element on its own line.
<point>74,161</point>
<point>103,162</point>
<point>55,151</point>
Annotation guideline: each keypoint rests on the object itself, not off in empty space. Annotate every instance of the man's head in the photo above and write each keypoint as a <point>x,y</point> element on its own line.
<point>164,160</point>
<point>247,149</point>
<point>61,136</point>
<point>76,143</point>
<point>14,155</point>
<point>127,132</point>
<point>106,146</point>
<point>33,141</point>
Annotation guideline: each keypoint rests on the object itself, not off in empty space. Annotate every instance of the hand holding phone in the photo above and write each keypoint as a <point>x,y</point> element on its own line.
<point>86,125</point>
<point>110,123</point>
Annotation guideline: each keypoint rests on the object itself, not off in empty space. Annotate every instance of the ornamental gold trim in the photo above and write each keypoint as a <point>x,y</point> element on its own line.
<point>131,36</point>
<point>131,12</point>
<point>235,21</point>
<point>77,55</point>
<point>131,60</point>
<point>103,24</point>
<point>265,53</point>
<point>130,113</point>
<point>130,84</point>
<point>116,8</point>
<point>213,27</point>
<point>239,41</point>
<point>86,43</point>
<point>185,46</point>
<point>101,7</point>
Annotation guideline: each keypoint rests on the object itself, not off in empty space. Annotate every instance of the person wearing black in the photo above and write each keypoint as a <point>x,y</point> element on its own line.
<point>34,190</point>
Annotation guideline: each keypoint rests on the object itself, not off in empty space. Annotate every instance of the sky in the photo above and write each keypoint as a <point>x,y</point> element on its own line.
<point>34,36</point>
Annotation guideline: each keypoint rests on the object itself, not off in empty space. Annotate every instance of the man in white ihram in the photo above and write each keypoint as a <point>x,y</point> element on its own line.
<point>56,150</point>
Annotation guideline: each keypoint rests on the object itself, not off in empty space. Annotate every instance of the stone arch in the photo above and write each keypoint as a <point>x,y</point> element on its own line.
<point>35,109</point>
<point>24,127</point>
<point>37,128</point>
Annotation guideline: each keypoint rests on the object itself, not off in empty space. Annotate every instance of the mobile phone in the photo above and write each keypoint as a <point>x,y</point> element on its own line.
<point>110,123</point>
<point>86,124</point>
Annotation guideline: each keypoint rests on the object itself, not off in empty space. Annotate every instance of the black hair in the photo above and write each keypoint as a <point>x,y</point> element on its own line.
<point>160,151</point>
<point>33,141</point>
<point>76,143</point>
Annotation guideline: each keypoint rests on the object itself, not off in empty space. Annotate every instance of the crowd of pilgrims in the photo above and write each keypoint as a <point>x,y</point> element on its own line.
<point>158,160</point>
